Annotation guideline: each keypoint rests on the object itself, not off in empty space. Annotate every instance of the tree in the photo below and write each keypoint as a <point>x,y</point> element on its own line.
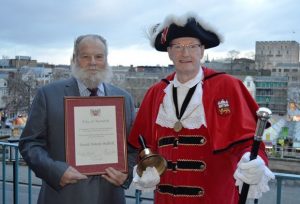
<point>60,73</point>
<point>233,54</point>
<point>20,92</point>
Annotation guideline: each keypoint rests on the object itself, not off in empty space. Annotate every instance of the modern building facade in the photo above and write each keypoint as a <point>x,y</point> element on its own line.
<point>272,92</point>
<point>282,59</point>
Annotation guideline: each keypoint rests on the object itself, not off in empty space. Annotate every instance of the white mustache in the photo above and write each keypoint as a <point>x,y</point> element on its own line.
<point>103,74</point>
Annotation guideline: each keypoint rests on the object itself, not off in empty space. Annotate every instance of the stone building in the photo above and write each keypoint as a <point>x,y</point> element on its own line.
<point>137,80</point>
<point>21,61</point>
<point>3,90</point>
<point>282,59</point>
<point>270,53</point>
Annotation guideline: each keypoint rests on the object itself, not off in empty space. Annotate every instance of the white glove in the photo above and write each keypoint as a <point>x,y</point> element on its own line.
<point>255,173</point>
<point>150,178</point>
<point>252,171</point>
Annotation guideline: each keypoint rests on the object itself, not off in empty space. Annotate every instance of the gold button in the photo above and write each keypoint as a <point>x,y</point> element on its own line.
<point>200,192</point>
<point>176,142</point>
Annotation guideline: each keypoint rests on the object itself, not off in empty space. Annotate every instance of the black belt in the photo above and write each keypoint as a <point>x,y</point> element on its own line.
<point>182,140</point>
<point>191,165</point>
<point>181,190</point>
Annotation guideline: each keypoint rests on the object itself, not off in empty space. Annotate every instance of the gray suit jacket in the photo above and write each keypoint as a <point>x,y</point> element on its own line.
<point>42,146</point>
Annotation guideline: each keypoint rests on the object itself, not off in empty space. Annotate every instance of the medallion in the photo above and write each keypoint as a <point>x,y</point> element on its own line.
<point>177,126</point>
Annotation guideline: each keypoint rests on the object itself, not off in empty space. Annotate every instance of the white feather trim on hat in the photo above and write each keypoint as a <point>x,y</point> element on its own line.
<point>153,31</point>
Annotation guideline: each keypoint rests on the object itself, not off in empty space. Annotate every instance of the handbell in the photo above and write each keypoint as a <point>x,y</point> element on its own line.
<point>148,159</point>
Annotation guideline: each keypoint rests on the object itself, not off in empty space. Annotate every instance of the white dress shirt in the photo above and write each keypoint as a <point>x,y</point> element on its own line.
<point>194,115</point>
<point>83,91</point>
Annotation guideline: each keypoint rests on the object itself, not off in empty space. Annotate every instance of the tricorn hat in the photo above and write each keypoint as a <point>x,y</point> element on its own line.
<point>189,25</point>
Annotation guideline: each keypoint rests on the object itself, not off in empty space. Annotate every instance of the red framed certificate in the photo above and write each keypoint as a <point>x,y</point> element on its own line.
<point>95,134</point>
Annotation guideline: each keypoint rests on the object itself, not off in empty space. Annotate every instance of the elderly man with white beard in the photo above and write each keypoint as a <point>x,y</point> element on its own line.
<point>42,142</point>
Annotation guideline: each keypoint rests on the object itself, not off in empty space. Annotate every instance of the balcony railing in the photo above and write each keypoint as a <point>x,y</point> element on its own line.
<point>10,157</point>
<point>283,152</point>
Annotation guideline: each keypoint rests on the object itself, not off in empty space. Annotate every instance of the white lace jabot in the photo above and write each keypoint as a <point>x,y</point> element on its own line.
<point>193,116</point>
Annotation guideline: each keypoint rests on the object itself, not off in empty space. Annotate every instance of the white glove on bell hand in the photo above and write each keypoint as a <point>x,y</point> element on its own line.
<point>255,173</point>
<point>150,178</point>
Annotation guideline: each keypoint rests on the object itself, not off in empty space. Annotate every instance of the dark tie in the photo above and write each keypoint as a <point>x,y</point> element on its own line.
<point>93,91</point>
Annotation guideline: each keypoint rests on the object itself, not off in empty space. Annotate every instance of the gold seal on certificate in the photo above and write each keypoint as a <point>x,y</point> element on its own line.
<point>177,126</point>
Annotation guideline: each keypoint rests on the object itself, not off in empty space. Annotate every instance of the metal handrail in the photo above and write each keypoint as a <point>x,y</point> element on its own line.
<point>278,176</point>
<point>14,158</point>
<point>282,176</point>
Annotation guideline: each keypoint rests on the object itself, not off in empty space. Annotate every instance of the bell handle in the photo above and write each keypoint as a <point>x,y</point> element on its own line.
<point>142,142</point>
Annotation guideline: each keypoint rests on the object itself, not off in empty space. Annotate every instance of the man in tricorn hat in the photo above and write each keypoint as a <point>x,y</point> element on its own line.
<point>201,121</point>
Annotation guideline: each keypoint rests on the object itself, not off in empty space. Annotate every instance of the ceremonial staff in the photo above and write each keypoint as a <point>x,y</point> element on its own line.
<point>263,114</point>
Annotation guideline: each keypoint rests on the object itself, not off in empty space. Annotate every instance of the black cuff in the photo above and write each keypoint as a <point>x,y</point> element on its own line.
<point>126,184</point>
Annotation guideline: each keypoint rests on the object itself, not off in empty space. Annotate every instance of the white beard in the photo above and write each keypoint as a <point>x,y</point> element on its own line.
<point>92,80</point>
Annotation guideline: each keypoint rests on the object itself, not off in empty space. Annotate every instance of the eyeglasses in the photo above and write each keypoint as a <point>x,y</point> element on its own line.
<point>89,57</point>
<point>190,47</point>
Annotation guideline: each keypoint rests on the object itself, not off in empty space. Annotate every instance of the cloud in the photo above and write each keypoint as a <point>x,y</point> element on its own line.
<point>137,55</point>
<point>50,26</point>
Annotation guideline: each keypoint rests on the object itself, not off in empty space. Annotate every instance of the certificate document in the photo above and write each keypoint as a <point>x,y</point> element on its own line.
<point>95,134</point>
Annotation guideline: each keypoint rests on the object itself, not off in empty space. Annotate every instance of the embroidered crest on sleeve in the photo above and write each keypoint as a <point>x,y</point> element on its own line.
<point>223,107</point>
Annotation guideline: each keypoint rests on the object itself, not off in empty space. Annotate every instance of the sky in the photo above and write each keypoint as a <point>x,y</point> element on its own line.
<point>46,29</point>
